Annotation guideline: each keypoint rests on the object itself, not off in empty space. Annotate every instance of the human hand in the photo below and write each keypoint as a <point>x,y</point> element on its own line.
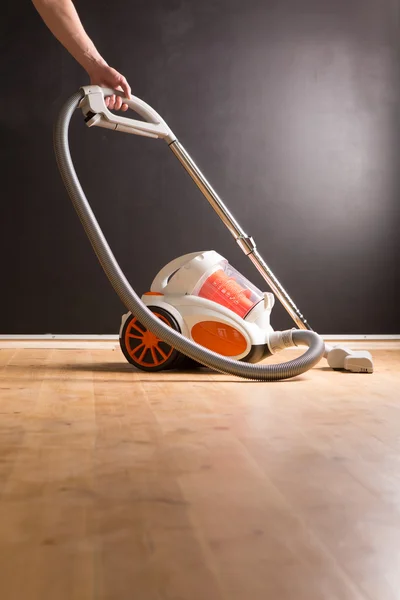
<point>105,76</point>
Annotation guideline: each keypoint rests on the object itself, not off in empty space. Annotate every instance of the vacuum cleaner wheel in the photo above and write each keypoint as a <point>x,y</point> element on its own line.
<point>146,351</point>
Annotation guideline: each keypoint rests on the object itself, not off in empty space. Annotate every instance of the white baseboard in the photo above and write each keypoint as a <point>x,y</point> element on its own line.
<point>114,337</point>
<point>60,342</point>
<point>110,342</point>
<point>52,336</point>
<point>360,337</point>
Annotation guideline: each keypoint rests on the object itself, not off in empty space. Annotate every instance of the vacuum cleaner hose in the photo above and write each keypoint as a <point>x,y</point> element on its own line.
<point>132,301</point>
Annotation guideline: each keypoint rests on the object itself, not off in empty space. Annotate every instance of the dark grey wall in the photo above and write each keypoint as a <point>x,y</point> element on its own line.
<point>291,107</point>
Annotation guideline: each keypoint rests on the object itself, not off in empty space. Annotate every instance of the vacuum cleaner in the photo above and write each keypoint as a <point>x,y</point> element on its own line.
<point>199,310</point>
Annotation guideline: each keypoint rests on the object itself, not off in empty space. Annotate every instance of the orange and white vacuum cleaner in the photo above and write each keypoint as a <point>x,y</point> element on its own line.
<point>207,300</point>
<point>199,309</point>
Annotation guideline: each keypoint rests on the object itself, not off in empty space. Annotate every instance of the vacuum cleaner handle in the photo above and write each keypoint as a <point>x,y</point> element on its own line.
<point>162,278</point>
<point>97,114</point>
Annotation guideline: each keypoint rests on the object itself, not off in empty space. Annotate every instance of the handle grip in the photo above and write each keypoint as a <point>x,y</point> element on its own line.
<point>162,278</point>
<point>96,112</point>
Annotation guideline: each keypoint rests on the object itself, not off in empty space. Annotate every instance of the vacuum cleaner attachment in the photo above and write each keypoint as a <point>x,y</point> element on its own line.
<point>213,304</point>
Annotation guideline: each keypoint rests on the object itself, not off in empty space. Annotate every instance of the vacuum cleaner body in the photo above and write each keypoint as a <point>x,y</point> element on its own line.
<point>211,303</point>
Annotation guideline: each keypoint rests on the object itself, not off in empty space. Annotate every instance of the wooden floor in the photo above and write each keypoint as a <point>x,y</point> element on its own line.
<point>121,485</point>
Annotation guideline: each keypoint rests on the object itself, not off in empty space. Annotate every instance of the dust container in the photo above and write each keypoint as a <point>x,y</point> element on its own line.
<point>224,285</point>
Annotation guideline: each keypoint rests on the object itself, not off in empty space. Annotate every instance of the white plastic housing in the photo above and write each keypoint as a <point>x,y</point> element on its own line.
<point>341,357</point>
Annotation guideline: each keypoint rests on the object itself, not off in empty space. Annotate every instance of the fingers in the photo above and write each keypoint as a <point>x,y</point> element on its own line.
<point>118,103</point>
<point>125,87</point>
<point>115,103</point>
<point>111,102</point>
<point>109,77</point>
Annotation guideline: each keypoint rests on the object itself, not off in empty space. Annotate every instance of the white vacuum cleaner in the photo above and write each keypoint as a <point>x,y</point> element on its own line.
<point>199,309</point>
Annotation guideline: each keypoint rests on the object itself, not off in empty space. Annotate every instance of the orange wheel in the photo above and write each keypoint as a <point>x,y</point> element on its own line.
<point>144,349</point>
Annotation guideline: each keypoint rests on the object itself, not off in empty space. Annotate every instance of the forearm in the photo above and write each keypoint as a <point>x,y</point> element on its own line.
<point>63,21</point>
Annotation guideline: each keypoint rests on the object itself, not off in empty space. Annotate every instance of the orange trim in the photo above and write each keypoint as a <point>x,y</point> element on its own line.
<point>152,294</point>
<point>219,337</point>
<point>148,353</point>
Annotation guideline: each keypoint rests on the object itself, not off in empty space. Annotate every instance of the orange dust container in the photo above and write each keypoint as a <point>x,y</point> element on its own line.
<point>226,286</point>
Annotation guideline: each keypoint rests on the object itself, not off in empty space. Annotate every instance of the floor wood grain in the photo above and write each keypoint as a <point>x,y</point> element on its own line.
<point>118,485</point>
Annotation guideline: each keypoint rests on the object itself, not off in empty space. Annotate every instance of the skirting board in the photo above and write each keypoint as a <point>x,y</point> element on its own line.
<point>110,342</point>
<point>68,342</point>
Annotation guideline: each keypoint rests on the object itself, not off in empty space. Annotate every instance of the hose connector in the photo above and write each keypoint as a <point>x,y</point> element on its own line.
<point>279,340</point>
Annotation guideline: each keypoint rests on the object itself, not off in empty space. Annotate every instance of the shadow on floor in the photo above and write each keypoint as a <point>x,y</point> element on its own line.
<point>167,376</point>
